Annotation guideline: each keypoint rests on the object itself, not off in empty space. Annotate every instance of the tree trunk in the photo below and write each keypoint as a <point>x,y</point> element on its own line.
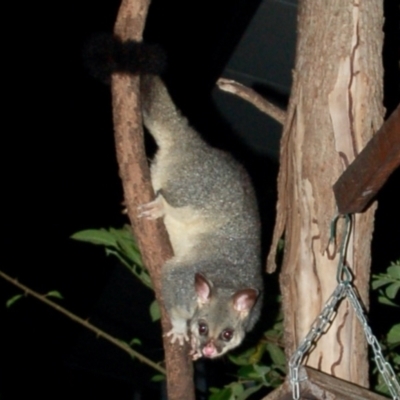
<point>335,107</point>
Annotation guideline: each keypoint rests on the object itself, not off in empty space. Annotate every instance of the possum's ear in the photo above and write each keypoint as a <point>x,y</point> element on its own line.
<point>203,289</point>
<point>104,54</point>
<point>244,300</point>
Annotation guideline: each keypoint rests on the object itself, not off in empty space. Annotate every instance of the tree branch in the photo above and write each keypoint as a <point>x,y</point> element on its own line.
<point>252,97</point>
<point>99,333</point>
<point>151,236</point>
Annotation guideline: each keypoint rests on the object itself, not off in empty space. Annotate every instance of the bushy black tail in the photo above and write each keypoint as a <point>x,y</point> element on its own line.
<point>104,54</point>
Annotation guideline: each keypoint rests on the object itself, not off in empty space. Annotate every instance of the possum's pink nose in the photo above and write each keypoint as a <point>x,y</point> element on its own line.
<point>209,350</point>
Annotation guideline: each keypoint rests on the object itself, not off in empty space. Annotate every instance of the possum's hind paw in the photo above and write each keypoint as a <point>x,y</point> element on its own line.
<point>153,210</point>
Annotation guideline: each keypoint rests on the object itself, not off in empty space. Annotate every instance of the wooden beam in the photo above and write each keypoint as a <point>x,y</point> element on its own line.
<point>369,171</point>
<point>319,385</point>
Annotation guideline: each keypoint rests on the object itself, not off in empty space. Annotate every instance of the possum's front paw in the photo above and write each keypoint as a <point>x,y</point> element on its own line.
<point>179,330</point>
<point>181,337</point>
<point>153,210</point>
<point>195,351</point>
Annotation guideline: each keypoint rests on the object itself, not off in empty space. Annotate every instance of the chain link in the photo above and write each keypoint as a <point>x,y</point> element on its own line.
<point>384,367</point>
<point>319,326</point>
<point>325,318</point>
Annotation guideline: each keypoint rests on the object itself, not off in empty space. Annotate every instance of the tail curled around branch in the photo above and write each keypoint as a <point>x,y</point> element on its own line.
<point>104,54</point>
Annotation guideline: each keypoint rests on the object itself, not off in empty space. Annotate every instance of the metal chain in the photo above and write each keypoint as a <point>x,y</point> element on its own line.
<point>384,367</point>
<point>323,321</point>
<point>319,326</point>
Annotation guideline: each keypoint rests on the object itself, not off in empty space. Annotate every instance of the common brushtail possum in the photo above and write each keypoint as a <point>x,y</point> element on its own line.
<point>212,287</point>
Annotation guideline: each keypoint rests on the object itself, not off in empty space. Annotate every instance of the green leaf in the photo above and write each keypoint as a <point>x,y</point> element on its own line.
<point>247,372</point>
<point>115,253</point>
<point>135,341</point>
<point>257,354</point>
<point>127,245</point>
<point>396,360</point>
<point>379,282</point>
<point>141,274</point>
<point>261,370</point>
<point>154,311</point>
<point>248,392</point>
<point>279,327</point>
<point>158,378</point>
<point>276,353</point>
<point>394,271</point>
<point>121,244</point>
<point>144,276</point>
<point>382,388</point>
<point>385,300</point>
<point>13,299</point>
<point>393,335</point>
<point>221,394</point>
<point>253,372</point>
<point>54,293</point>
<point>242,358</point>
<point>236,388</point>
<point>272,334</point>
<point>126,232</point>
<point>392,289</point>
<point>96,236</point>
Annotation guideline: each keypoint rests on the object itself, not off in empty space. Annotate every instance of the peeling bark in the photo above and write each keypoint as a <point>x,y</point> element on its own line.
<point>335,107</point>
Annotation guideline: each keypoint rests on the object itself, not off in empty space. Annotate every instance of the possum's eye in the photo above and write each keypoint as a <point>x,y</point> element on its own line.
<point>226,335</point>
<point>203,329</point>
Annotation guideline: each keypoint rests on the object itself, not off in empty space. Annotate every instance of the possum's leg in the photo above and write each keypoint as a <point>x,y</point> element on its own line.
<point>179,298</point>
<point>179,331</point>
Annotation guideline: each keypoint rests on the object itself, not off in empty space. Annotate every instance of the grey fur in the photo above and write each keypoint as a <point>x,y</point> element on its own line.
<point>210,211</point>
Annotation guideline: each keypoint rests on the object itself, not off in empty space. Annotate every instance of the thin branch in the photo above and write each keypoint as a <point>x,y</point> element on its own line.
<point>151,236</point>
<point>99,333</point>
<point>252,97</point>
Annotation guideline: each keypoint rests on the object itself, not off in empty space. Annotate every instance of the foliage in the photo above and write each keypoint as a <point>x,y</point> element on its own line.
<point>264,365</point>
<point>14,299</point>
<point>121,244</point>
<point>388,285</point>
<point>260,366</point>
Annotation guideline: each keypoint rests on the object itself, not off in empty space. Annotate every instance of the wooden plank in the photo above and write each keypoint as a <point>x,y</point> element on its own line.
<point>319,385</point>
<point>357,186</point>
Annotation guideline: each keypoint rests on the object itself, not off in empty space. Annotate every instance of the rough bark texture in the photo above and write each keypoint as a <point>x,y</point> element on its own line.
<point>335,107</point>
<point>151,235</point>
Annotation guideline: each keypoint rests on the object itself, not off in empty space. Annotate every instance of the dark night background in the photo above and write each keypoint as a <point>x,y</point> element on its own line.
<point>61,176</point>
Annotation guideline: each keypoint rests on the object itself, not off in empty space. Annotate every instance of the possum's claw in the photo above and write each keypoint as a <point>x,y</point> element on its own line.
<point>181,337</point>
<point>152,210</point>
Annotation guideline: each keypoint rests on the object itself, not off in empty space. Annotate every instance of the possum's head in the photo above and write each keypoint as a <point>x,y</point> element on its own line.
<point>220,321</point>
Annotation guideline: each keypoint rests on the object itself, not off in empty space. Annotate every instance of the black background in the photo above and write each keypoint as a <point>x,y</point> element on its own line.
<point>60,176</point>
